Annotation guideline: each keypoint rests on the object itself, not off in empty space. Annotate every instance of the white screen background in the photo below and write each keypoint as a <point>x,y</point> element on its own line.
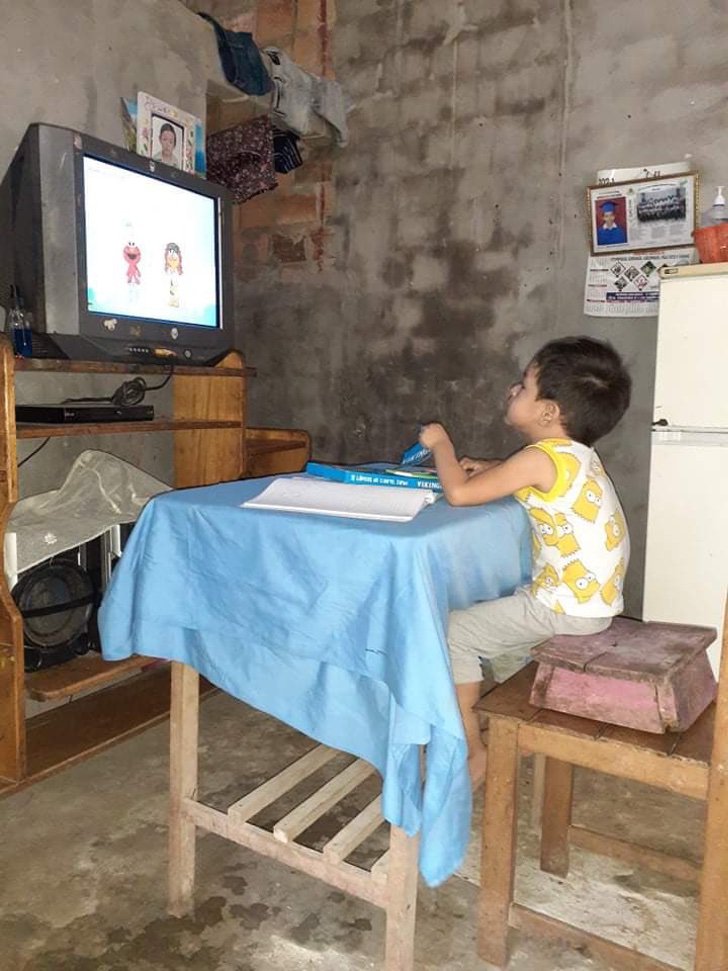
<point>122,207</point>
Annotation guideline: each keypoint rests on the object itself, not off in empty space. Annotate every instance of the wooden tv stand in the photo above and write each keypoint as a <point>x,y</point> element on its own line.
<point>212,443</point>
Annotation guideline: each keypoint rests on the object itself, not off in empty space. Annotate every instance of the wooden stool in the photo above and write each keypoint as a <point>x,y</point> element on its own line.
<point>694,763</point>
<point>390,884</point>
<point>654,677</point>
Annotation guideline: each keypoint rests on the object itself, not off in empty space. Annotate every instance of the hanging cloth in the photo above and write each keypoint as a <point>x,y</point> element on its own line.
<point>298,95</point>
<point>241,158</point>
<point>286,154</point>
<point>241,61</point>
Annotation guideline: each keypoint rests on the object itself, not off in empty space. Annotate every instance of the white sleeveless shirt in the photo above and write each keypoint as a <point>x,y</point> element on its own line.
<point>579,534</point>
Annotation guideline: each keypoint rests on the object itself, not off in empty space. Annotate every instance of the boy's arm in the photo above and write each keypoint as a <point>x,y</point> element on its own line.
<point>473,466</point>
<point>529,467</point>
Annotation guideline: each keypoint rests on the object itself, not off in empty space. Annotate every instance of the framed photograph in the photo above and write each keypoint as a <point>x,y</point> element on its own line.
<point>656,213</point>
<point>165,133</point>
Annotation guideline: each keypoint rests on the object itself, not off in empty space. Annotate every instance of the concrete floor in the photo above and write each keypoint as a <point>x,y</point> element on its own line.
<point>83,865</point>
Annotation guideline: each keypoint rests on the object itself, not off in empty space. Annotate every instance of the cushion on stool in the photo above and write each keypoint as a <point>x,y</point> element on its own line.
<point>651,676</point>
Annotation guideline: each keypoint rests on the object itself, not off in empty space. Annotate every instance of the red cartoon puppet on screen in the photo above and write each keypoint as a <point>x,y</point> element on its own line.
<point>132,255</point>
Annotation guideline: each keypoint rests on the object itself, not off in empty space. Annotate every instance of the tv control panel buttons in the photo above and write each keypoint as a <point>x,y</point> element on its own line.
<point>142,352</point>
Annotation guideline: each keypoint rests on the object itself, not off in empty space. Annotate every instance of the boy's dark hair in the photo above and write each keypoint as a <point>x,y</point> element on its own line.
<point>588,381</point>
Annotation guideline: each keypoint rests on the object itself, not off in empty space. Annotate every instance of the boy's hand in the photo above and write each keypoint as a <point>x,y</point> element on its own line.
<point>433,435</point>
<point>474,466</point>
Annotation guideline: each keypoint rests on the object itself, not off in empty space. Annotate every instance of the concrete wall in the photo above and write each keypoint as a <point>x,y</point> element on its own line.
<point>459,239</point>
<point>69,64</point>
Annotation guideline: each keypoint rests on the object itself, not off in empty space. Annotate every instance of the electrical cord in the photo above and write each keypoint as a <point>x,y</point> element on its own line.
<point>35,451</point>
<point>133,391</point>
<point>128,393</point>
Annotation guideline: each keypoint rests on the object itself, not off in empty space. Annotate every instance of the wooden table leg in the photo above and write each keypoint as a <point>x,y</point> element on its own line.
<point>556,817</point>
<point>498,860</point>
<point>401,900</point>
<point>537,787</point>
<point>184,723</point>
<point>712,945</point>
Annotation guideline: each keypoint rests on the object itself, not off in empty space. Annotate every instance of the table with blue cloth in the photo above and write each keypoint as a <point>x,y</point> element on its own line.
<point>335,626</point>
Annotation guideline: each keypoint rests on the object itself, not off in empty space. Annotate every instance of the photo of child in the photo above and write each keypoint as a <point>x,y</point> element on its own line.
<point>166,139</point>
<point>610,222</point>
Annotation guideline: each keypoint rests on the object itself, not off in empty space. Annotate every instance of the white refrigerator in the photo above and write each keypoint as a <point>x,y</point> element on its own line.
<point>686,566</point>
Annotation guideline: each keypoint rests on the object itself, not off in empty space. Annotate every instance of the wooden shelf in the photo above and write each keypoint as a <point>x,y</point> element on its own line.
<point>265,448</point>
<point>27,430</point>
<point>212,446</point>
<point>80,673</point>
<point>71,733</point>
<point>57,738</point>
<point>275,450</point>
<point>114,367</point>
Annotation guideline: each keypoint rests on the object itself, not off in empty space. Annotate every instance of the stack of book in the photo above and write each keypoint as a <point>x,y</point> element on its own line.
<point>378,473</point>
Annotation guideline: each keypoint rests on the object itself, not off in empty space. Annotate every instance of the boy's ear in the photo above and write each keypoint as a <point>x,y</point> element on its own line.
<point>550,412</point>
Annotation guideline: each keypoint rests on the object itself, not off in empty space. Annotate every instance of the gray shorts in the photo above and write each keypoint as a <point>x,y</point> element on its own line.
<point>503,632</point>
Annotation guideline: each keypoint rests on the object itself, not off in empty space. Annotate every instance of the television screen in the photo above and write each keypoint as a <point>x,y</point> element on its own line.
<point>150,247</point>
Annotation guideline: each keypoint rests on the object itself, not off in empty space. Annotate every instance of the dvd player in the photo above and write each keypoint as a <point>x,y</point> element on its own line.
<point>74,412</point>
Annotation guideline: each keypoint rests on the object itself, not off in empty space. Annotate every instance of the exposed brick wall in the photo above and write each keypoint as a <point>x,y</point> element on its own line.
<point>284,230</point>
<point>297,210</point>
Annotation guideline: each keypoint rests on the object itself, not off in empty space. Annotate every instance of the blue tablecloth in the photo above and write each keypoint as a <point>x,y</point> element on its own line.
<point>335,626</point>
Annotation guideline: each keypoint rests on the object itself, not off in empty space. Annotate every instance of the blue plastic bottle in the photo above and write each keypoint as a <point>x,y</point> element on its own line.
<point>18,327</point>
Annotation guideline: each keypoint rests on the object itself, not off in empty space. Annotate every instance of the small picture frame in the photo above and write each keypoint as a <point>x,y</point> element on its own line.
<point>643,214</point>
<point>165,133</point>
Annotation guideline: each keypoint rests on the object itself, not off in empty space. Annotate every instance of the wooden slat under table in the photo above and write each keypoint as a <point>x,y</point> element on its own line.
<point>391,883</point>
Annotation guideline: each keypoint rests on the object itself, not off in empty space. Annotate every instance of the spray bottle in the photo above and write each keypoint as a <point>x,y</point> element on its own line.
<point>717,213</point>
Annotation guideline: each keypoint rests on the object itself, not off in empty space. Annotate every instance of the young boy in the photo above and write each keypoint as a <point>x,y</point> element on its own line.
<point>572,393</point>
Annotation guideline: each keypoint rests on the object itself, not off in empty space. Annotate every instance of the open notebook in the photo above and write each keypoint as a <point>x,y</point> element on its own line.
<point>324,498</point>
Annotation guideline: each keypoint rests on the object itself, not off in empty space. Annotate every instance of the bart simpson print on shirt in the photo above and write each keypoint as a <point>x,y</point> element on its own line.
<point>582,581</point>
<point>615,529</point>
<point>548,577</point>
<point>589,501</point>
<point>565,539</point>
<point>546,527</point>
<point>612,589</point>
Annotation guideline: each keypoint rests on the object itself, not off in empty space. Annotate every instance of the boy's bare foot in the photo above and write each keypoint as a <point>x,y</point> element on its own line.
<point>476,767</point>
<point>468,694</point>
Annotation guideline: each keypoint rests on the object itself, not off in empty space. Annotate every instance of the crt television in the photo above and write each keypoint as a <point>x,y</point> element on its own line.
<point>115,256</point>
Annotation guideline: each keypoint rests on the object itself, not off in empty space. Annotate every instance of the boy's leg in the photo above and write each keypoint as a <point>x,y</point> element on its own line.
<point>468,695</point>
<point>507,626</point>
<point>487,630</point>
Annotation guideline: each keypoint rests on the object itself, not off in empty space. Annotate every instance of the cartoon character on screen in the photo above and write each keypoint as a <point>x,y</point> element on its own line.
<point>132,255</point>
<point>173,269</point>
